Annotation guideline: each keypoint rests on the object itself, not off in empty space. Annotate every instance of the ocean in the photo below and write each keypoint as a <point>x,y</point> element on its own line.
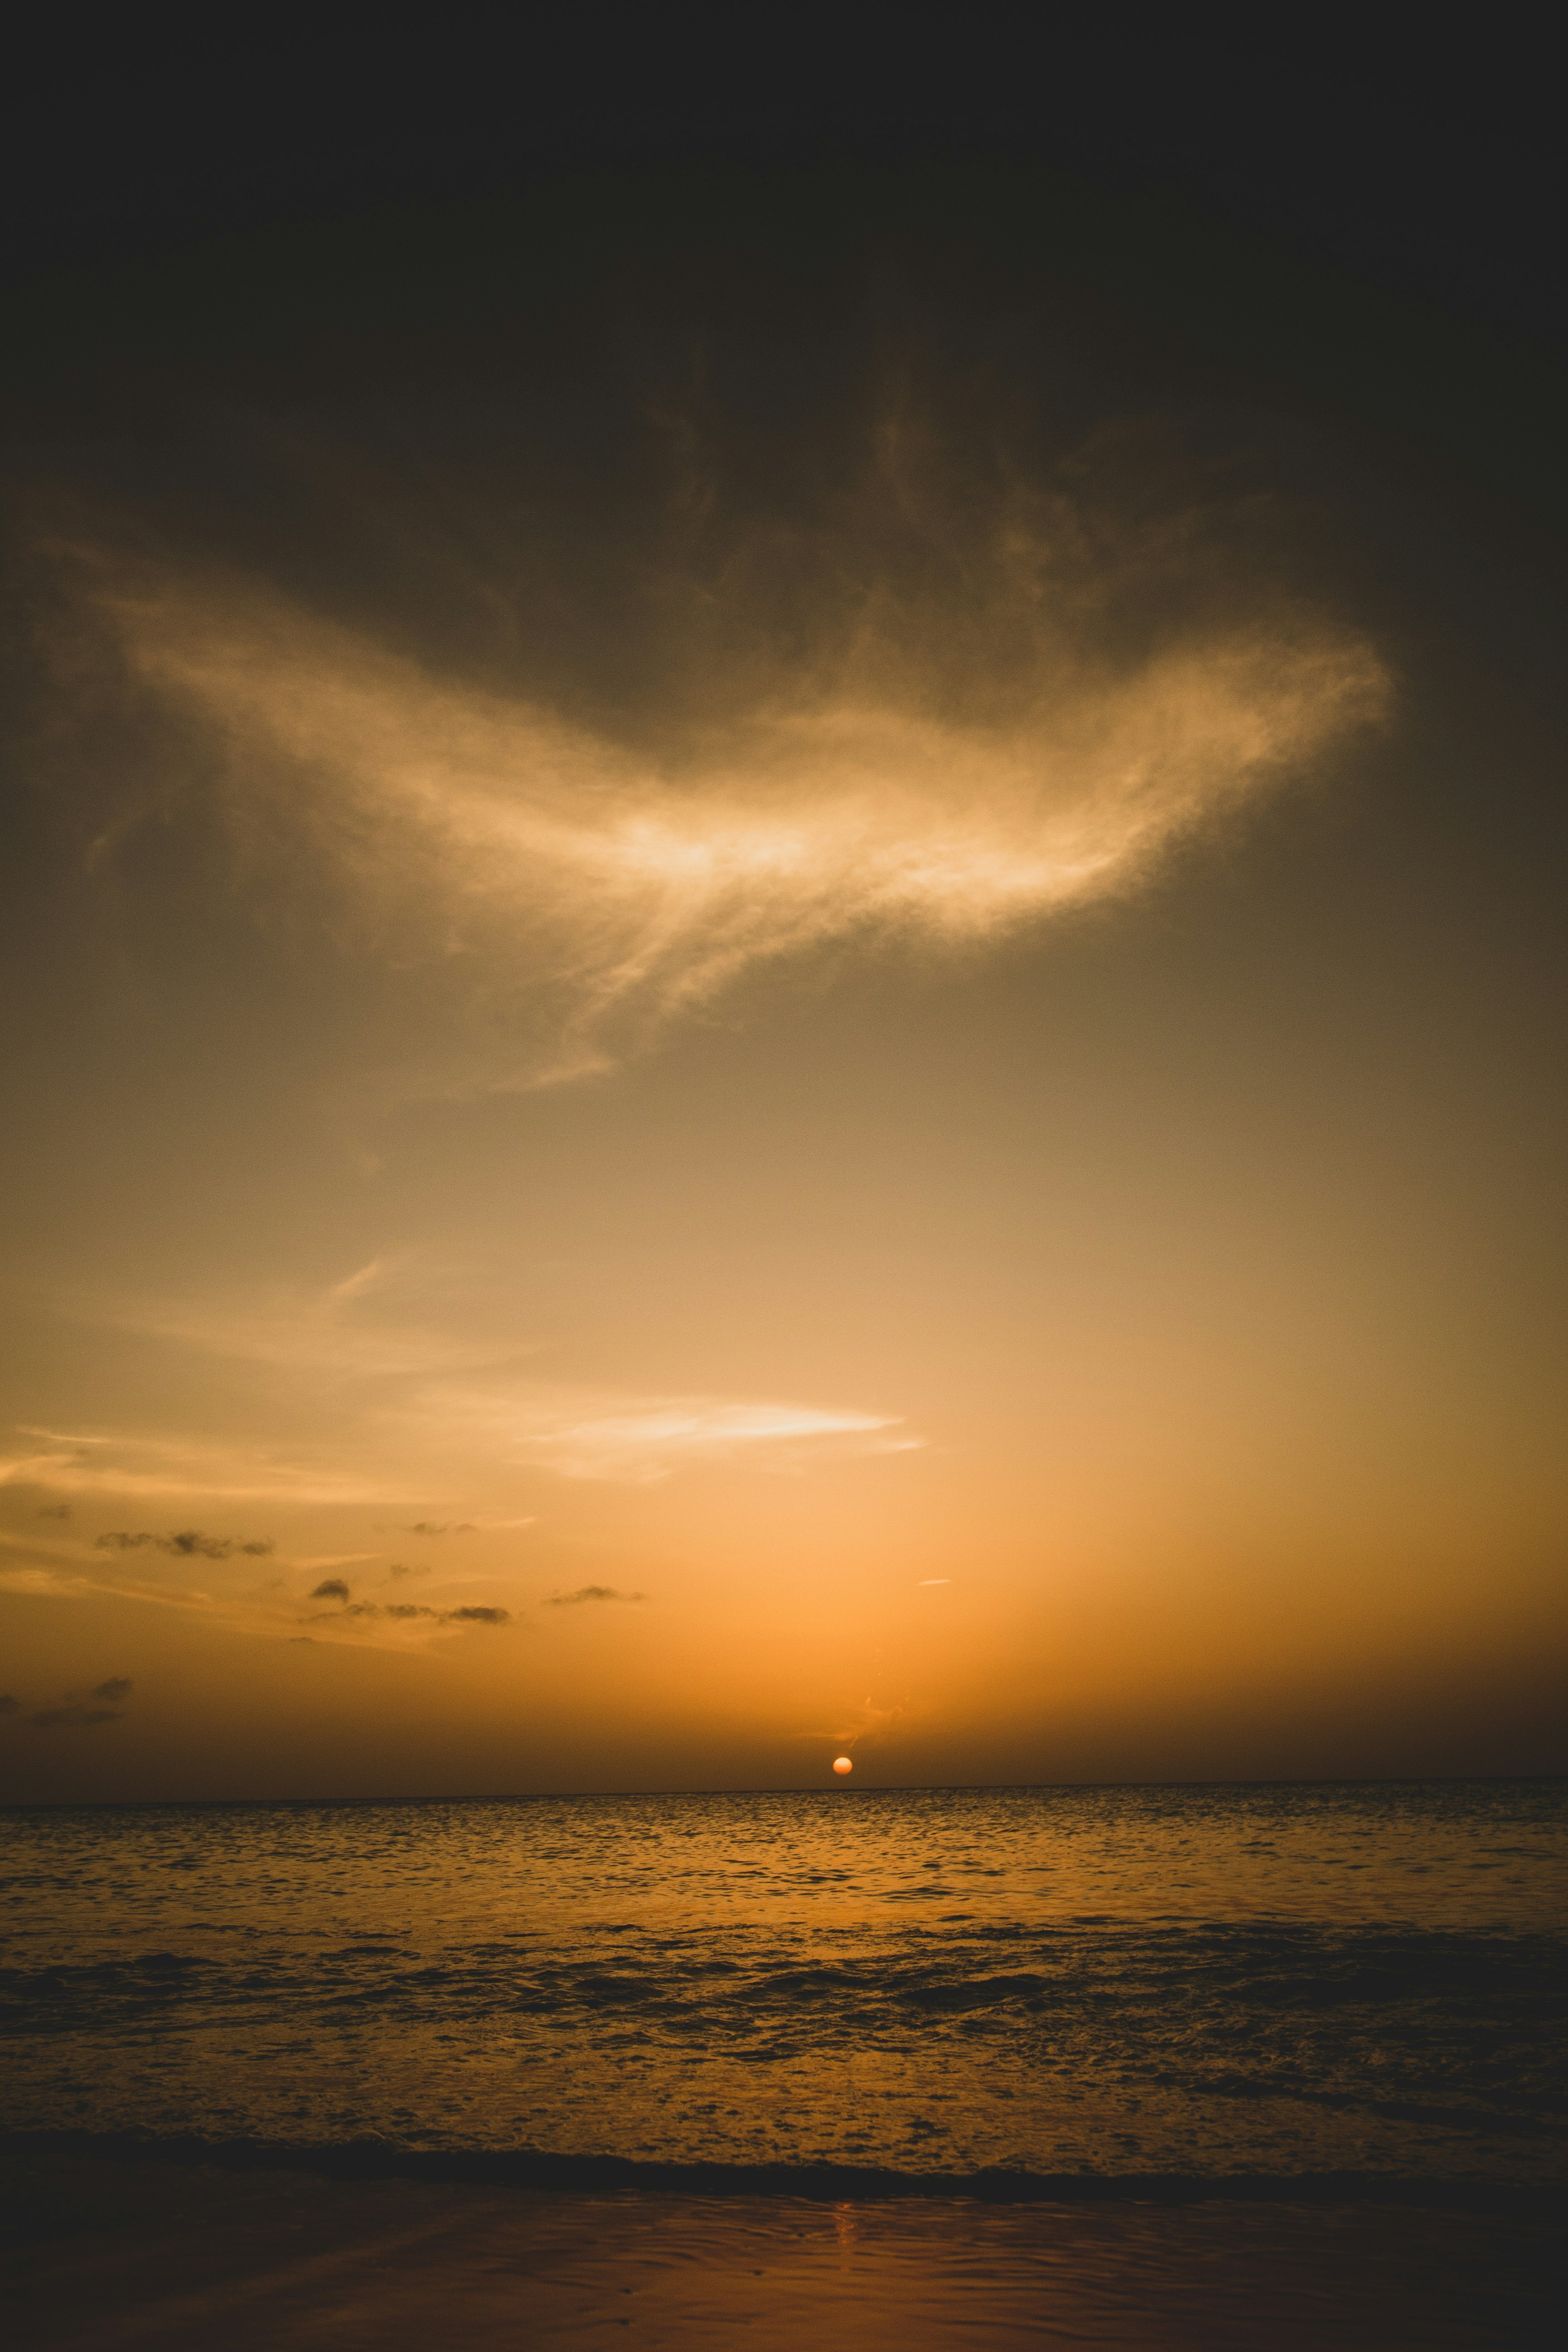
<point>1344,1997</point>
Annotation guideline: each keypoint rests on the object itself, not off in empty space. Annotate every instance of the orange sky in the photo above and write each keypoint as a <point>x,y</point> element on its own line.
<point>899,1101</point>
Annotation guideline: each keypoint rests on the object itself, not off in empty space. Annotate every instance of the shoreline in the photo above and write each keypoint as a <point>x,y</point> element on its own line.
<point>540,2172</point>
<point>111,2253</point>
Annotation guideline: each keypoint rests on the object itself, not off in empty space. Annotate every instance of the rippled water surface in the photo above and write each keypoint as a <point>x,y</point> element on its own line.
<point>1266,1980</point>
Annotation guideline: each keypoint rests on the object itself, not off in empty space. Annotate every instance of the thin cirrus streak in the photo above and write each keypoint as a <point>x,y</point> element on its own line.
<point>408,1402</point>
<point>839,804</point>
<point>411,1415</point>
<point>173,1470</point>
<point>444,1432</point>
<point>649,1441</point>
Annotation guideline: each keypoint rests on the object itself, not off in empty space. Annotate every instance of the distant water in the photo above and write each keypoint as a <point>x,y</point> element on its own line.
<point>1265,1981</point>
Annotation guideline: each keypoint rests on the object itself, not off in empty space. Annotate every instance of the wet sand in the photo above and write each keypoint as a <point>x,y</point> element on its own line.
<point>105,2254</point>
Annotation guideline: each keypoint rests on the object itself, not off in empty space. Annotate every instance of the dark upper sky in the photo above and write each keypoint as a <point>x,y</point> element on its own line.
<point>1424,165</point>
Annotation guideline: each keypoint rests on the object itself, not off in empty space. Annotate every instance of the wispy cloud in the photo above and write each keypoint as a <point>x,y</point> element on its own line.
<point>323,1332</point>
<point>977,739</point>
<point>168,1469</point>
<point>414,1402</point>
<point>376,1276</point>
<point>641,1440</point>
<point>863,1722</point>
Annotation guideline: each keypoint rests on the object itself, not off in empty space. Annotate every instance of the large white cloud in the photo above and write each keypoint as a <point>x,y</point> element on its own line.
<point>875,789</point>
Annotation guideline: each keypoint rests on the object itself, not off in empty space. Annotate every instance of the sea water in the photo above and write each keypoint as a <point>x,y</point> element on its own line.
<point>1266,1982</point>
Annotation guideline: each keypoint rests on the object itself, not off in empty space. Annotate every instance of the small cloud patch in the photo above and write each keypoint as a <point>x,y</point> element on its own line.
<point>401,1611</point>
<point>73,1714</point>
<point>185,1543</point>
<point>332,1588</point>
<point>587,1592</point>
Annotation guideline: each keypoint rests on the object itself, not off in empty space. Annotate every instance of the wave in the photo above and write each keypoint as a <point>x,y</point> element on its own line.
<point>538,2171</point>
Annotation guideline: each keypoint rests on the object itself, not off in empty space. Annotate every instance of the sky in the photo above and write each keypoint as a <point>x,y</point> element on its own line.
<point>785,980</point>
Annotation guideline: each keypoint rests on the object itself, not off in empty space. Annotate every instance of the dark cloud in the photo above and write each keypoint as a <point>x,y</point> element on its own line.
<point>55,1511</point>
<point>332,1588</point>
<point>441,1527</point>
<point>589,1592</point>
<point>400,1610</point>
<point>401,1567</point>
<point>72,1712</point>
<point>191,1541</point>
<point>188,1543</point>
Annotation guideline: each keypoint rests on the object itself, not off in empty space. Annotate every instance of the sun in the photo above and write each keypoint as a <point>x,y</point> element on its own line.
<point>844,1764</point>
